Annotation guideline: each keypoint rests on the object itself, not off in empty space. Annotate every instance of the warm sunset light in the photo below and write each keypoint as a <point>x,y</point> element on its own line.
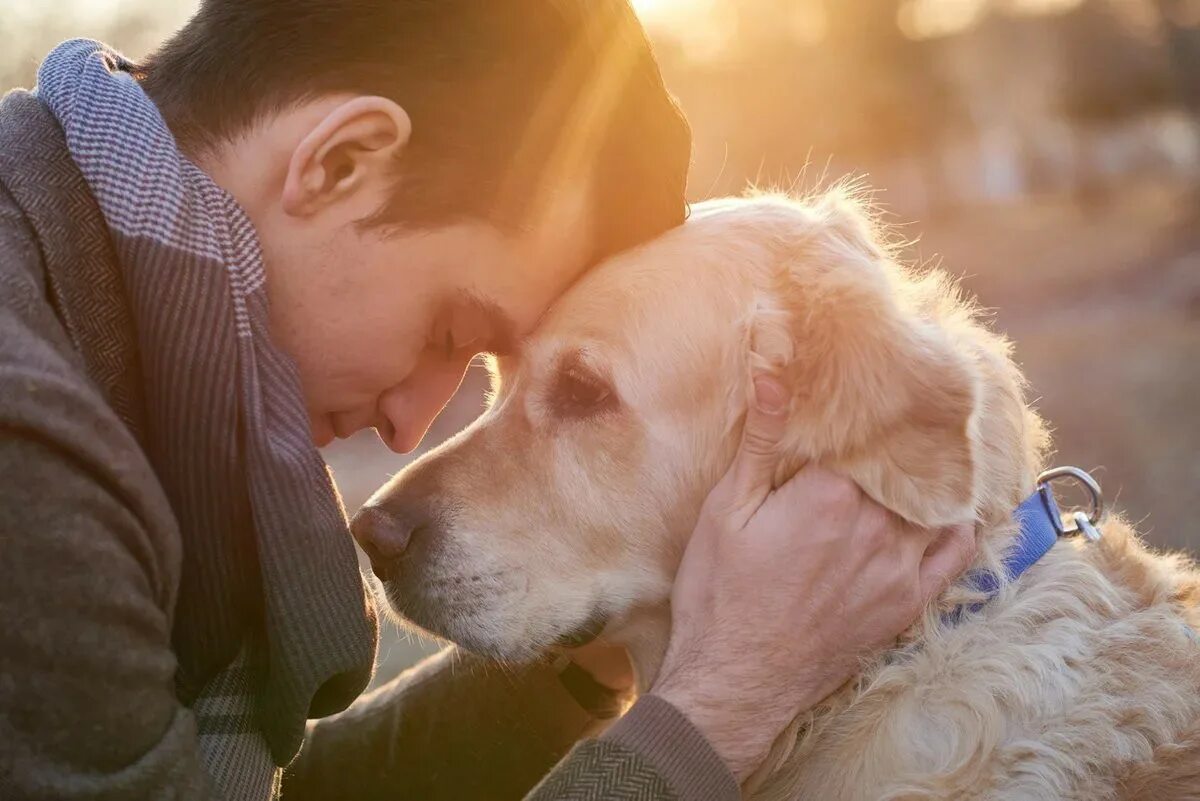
<point>672,13</point>
<point>420,371</point>
<point>651,8</point>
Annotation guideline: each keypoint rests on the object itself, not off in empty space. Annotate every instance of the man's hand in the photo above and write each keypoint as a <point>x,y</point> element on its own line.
<point>781,592</point>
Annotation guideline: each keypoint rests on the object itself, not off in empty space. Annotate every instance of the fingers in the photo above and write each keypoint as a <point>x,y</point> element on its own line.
<point>753,470</point>
<point>946,559</point>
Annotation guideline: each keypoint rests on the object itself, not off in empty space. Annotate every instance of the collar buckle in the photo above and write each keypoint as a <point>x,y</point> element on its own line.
<point>1085,524</point>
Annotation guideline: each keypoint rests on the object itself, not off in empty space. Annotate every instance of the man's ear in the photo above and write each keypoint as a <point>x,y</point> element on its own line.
<point>350,154</point>
<point>879,394</point>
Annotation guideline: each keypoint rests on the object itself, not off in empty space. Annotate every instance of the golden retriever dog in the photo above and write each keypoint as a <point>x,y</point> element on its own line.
<point>562,513</point>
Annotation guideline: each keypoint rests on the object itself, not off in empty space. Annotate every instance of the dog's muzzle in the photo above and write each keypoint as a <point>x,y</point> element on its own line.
<point>386,535</point>
<point>585,633</point>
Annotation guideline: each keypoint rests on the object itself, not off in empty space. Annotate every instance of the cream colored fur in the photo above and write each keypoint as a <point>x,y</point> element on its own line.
<point>1080,681</point>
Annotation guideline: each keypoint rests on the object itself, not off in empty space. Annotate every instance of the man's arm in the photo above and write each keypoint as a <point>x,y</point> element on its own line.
<point>453,728</point>
<point>456,728</point>
<point>87,702</point>
<point>90,570</point>
<point>654,753</point>
<point>89,566</point>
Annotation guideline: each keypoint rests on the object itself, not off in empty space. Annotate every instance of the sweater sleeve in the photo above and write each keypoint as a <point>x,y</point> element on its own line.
<point>90,564</point>
<point>654,753</point>
<point>87,702</point>
<point>453,728</point>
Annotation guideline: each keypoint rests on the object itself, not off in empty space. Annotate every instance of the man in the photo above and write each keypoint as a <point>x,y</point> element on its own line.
<point>295,220</point>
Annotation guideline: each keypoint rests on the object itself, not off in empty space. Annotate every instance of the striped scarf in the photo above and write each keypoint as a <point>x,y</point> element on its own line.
<point>270,584</point>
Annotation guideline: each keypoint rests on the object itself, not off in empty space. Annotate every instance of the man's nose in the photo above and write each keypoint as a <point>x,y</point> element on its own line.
<point>411,407</point>
<point>384,535</point>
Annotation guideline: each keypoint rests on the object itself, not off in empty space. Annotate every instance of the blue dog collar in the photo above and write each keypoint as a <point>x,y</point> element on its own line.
<point>1040,525</point>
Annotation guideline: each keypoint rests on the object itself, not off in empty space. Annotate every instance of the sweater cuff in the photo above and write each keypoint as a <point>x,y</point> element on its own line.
<point>664,736</point>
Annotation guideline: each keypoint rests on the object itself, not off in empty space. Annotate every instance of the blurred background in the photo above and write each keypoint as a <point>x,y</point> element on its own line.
<point>1046,151</point>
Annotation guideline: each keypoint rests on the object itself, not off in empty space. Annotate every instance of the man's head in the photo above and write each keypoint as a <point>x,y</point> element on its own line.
<point>425,177</point>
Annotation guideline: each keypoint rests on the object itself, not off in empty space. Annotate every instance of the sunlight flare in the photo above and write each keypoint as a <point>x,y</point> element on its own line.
<point>652,9</point>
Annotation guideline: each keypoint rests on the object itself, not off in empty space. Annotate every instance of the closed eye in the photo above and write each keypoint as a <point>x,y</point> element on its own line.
<point>578,393</point>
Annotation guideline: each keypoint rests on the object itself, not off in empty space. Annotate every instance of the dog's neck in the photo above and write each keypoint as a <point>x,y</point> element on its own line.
<point>647,631</point>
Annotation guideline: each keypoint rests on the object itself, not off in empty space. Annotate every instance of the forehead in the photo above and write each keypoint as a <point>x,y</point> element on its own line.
<point>707,266</point>
<point>520,272</point>
<point>667,307</point>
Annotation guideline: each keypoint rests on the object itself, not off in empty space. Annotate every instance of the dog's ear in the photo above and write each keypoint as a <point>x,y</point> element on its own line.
<point>879,394</point>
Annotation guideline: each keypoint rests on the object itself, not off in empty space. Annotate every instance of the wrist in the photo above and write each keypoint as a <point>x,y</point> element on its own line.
<point>733,735</point>
<point>682,754</point>
<point>740,725</point>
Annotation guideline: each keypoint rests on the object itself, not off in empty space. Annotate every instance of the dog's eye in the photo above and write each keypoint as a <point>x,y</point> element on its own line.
<point>579,393</point>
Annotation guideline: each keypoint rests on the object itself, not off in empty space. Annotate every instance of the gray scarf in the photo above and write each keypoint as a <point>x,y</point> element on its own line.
<point>269,567</point>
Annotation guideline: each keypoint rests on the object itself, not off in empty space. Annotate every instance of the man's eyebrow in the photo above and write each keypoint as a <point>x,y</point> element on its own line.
<point>504,330</point>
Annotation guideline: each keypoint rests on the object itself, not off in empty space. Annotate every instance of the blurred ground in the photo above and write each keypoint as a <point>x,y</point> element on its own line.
<point>1104,307</point>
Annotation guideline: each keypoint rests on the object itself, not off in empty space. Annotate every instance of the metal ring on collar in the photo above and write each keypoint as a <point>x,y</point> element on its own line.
<point>1084,524</point>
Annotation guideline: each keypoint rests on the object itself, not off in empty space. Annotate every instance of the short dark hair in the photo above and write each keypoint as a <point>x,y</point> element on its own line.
<point>502,94</point>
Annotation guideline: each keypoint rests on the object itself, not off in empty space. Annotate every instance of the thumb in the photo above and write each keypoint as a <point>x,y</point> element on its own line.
<point>753,470</point>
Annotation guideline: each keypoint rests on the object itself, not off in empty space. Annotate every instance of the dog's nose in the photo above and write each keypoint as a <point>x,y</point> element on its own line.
<point>383,535</point>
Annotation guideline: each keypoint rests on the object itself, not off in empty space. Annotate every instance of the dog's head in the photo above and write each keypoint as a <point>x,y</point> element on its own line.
<point>566,507</point>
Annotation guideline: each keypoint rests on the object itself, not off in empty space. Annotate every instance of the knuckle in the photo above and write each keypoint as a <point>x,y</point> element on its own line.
<point>833,490</point>
<point>876,526</point>
<point>918,598</point>
<point>844,491</point>
<point>905,591</point>
<point>719,513</point>
<point>757,443</point>
<point>875,518</point>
